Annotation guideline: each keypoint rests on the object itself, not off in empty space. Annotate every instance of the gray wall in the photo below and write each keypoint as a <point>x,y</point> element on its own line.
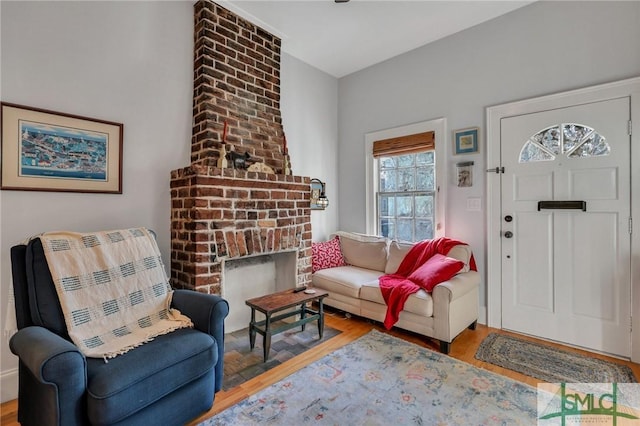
<point>129,62</point>
<point>540,49</point>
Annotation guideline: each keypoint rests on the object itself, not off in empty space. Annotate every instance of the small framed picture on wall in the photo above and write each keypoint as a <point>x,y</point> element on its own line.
<point>465,141</point>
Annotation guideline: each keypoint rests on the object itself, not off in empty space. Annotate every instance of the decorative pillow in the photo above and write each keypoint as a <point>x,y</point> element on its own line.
<point>437,269</point>
<point>326,255</point>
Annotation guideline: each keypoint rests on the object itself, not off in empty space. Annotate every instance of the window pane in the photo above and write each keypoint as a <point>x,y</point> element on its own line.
<point>406,160</point>
<point>406,180</point>
<point>404,206</point>
<point>387,162</point>
<point>549,138</point>
<point>387,205</point>
<point>388,180</point>
<point>573,134</point>
<point>426,157</point>
<point>425,178</point>
<point>594,146</point>
<point>424,229</point>
<point>424,205</point>
<point>387,228</point>
<point>405,229</point>
<point>532,152</point>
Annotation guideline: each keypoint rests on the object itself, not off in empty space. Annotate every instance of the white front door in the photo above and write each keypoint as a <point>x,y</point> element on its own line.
<point>565,225</point>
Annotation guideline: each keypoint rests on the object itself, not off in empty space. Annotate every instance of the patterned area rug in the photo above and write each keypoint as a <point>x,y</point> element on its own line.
<point>242,364</point>
<point>548,363</point>
<point>382,380</point>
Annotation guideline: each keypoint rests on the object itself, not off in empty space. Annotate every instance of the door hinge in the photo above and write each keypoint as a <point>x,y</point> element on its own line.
<point>630,226</point>
<point>630,323</point>
<point>497,170</point>
<point>629,127</point>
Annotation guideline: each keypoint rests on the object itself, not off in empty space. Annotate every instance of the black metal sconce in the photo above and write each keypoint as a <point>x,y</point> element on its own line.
<point>319,200</point>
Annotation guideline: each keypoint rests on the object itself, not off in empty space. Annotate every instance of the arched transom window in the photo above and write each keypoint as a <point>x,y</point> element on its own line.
<point>567,139</point>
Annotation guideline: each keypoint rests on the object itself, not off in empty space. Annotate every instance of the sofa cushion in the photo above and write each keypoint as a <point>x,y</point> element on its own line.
<point>397,252</point>
<point>345,280</point>
<point>138,378</point>
<point>436,269</point>
<point>326,255</point>
<point>420,303</point>
<point>368,254</point>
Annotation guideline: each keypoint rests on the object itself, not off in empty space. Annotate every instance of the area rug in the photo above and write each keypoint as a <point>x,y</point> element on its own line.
<point>548,363</point>
<point>382,380</point>
<point>241,363</point>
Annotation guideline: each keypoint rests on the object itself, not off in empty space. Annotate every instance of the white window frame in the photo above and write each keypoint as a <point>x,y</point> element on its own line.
<point>439,127</point>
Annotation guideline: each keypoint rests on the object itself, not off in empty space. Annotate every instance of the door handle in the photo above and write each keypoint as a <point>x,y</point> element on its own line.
<point>508,234</point>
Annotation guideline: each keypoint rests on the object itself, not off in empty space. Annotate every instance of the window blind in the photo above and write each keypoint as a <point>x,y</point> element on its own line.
<point>404,144</point>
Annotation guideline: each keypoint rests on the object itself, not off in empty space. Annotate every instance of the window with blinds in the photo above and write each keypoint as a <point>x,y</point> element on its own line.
<point>406,186</point>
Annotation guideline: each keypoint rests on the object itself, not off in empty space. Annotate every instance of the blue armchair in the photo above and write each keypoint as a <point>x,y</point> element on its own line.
<point>167,381</point>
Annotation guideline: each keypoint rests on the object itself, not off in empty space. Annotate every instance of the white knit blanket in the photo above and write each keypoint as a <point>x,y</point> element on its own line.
<point>113,289</point>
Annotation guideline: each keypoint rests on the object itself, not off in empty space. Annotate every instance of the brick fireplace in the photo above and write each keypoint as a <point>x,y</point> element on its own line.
<point>221,213</point>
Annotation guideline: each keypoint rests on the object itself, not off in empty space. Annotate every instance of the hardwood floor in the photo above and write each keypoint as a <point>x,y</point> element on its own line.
<point>463,348</point>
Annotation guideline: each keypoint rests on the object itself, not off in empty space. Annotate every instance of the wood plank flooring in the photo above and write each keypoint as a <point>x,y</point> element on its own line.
<point>463,348</point>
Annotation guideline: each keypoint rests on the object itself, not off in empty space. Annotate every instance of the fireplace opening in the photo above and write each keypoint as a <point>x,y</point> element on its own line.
<point>255,276</point>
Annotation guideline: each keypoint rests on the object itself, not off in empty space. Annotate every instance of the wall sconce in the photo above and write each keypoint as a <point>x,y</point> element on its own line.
<point>319,200</point>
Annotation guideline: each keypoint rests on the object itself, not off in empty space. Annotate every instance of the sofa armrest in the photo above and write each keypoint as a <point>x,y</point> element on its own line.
<point>455,305</point>
<point>207,311</point>
<point>457,286</point>
<point>56,371</point>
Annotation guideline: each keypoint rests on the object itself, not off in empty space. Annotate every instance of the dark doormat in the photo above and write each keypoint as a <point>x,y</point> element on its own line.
<point>242,364</point>
<point>548,363</point>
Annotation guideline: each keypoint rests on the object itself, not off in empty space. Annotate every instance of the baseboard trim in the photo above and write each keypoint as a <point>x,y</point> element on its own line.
<point>8,385</point>
<point>482,315</point>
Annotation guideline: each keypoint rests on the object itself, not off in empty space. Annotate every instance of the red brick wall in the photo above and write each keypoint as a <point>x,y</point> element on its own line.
<point>237,81</point>
<point>219,214</point>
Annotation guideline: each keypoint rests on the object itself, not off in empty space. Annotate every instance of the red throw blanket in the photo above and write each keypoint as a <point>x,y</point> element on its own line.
<point>396,288</point>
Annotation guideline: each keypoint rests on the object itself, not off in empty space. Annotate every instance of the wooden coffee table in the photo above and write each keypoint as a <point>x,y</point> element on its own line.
<point>276,302</point>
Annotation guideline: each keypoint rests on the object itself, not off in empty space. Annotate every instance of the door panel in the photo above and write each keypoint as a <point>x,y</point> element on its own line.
<point>565,273</point>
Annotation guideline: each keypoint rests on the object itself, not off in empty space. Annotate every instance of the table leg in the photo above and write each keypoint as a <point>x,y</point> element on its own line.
<point>252,329</point>
<point>303,313</point>
<point>321,318</point>
<point>266,342</point>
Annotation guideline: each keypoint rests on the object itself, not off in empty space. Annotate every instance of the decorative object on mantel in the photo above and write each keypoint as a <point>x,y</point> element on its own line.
<point>465,141</point>
<point>52,151</point>
<point>319,200</point>
<point>260,167</point>
<point>465,173</point>
<point>223,163</point>
<point>238,161</point>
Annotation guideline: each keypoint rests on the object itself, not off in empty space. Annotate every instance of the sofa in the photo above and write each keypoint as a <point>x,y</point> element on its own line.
<point>351,279</point>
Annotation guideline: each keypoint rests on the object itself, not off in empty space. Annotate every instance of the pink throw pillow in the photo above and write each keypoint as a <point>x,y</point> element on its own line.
<point>437,269</point>
<point>326,255</point>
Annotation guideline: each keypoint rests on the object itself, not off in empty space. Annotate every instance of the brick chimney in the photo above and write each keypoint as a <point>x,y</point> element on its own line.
<point>221,212</point>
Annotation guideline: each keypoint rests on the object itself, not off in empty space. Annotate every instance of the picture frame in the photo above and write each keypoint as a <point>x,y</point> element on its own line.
<point>465,141</point>
<point>316,190</point>
<point>45,150</point>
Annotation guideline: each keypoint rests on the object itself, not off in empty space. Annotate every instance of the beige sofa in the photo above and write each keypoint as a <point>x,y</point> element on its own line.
<point>442,315</point>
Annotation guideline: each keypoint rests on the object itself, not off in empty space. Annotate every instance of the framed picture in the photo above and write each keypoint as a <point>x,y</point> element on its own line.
<point>52,151</point>
<point>465,141</point>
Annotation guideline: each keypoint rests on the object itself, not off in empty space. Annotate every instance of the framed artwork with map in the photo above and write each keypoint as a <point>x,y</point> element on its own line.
<point>51,151</point>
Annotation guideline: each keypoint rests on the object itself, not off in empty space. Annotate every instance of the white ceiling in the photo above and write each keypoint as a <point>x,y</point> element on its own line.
<point>341,38</point>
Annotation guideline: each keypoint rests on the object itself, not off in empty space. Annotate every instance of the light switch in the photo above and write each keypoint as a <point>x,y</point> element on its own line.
<point>474,204</point>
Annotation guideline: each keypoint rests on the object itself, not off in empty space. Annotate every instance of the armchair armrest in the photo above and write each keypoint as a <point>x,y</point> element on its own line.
<point>56,370</point>
<point>207,311</point>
